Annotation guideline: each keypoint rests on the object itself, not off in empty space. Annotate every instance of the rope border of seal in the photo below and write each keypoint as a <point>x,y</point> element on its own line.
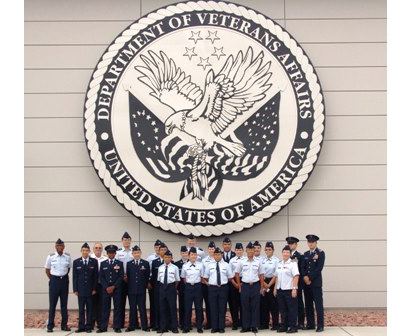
<point>218,229</point>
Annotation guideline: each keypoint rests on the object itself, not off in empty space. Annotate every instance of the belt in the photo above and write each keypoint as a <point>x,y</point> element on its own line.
<point>58,277</point>
<point>223,285</point>
<point>249,283</point>
<point>284,290</point>
<point>193,284</point>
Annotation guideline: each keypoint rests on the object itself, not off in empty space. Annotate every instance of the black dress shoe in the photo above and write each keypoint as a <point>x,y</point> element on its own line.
<point>101,331</point>
<point>79,330</point>
<point>160,331</point>
<point>319,329</point>
<point>146,329</point>
<point>49,330</point>
<point>88,331</point>
<point>117,330</point>
<point>65,328</point>
<point>213,331</point>
<point>274,328</point>
<point>129,329</point>
<point>221,331</point>
<point>243,330</point>
<point>185,331</point>
<point>280,330</point>
<point>292,331</point>
<point>200,330</point>
<point>234,327</point>
<point>175,331</point>
<point>254,330</point>
<point>310,328</point>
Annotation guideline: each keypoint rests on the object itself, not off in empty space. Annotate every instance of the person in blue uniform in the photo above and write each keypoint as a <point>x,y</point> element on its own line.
<point>124,254</point>
<point>181,286</point>
<point>154,284</point>
<point>206,260</point>
<point>85,280</point>
<point>270,306</point>
<point>111,277</point>
<point>150,259</point>
<point>250,271</point>
<point>57,267</point>
<point>217,274</point>
<point>312,266</point>
<point>228,254</point>
<point>97,254</point>
<point>297,257</point>
<point>191,275</point>
<point>237,311</point>
<point>168,279</point>
<point>285,289</point>
<point>138,276</point>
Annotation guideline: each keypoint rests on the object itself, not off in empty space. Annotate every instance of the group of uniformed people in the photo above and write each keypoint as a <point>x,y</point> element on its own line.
<point>260,289</point>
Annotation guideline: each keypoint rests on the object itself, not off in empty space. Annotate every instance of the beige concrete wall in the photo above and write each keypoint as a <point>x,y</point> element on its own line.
<point>344,201</point>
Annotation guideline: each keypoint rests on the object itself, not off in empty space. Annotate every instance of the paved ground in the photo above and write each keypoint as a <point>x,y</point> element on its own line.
<point>330,331</point>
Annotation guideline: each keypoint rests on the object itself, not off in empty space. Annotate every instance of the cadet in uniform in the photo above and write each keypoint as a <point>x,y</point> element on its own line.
<point>111,277</point>
<point>97,297</point>
<point>192,242</point>
<point>258,250</point>
<point>138,276</point>
<point>232,290</point>
<point>270,306</point>
<point>192,273</point>
<point>208,259</point>
<point>297,257</point>
<point>181,288</point>
<point>250,271</point>
<point>234,262</point>
<point>218,273</point>
<point>168,278</point>
<point>85,280</point>
<point>155,285</point>
<point>57,267</point>
<point>150,259</point>
<point>313,262</point>
<point>286,285</point>
<point>124,254</point>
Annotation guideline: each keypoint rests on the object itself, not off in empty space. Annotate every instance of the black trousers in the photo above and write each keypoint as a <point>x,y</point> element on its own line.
<point>117,309</point>
<point>193,295</point>
<point>206,305</point>
<point>218,296</point>
<point>152,307</point>
<point>167,304</point>
<point>138,301</point>
<point>269,308</point>
<point>314,295</point>
<point>301,307</point>
<point>97,307</point>
<point>288,307</point>
<point>58,288</point>
<point>85,309</point>
<point>250,300</point>
<point>181,300</point>
<point>234,303</point>
<point>156,301</point>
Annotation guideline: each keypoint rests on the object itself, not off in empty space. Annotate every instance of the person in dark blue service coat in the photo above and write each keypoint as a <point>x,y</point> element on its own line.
<point>85,280</point>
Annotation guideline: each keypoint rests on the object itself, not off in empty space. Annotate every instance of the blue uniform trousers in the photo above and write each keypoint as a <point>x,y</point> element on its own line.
<point>207,305</point>
<point>288,307</point>
<point>218,296</point>
<point>138,301</point>
<point>85,311</point>
<point>314,295</point>
<point>58,288</point>
<point>250,300</point>
<point>117,309</point>
<point>193,294</point>
<point>97,307</point>
<point>168,317</point>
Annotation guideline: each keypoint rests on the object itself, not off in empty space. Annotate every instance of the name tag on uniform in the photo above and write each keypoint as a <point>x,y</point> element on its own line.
<point>105,268</point>
<point>78,267</point>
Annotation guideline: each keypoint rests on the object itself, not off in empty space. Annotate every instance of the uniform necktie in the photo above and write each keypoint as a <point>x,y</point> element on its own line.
<point>218,275</point>
<point>85,262</point>
<point>166,275</point>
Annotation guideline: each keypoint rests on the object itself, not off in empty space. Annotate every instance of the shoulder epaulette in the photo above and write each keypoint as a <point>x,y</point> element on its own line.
<point>52,254</point>
<point>66,253</point>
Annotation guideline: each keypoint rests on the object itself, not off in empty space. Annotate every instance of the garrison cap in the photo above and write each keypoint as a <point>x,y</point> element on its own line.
<point>136,248</point>
<point>168,253</point>
<point>157,242</point>
<point>250,245</point>
<point>126,235</point>
<point>211,244</point>
<point>111,248</point>
<point>291,240</point>
<point>184,248</point>
<point>226,240</point>
<point>192,250</point>
<point>256,243</point>
<point>59,241</point>
<point>85,245</point>
<point>217,250</point>
<point>163,245</point>
<point>191,236</point>
<point>238,246</point>
<point>270,244</point>
<point>286,248</point>
<point>312,238</point>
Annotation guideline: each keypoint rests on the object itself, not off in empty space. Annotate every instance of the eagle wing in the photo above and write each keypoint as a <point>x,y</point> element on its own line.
<point>241,83</point>
<point>168,83</point>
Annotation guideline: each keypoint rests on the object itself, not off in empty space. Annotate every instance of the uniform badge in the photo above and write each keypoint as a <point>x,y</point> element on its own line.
<point>116,267</point>
<point>177,116</point>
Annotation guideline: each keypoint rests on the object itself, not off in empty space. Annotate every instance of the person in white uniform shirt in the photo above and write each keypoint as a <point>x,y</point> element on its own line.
<point>192,273</point>
<point>97,254</point>
<point>208,259</point>
<point>250,271</point>
<point>217,274</point>
<point>236,315</point>
<point>269,304</point>
<point>192,242</point>
<point>258,250</point>
<point>168,277</point>
<point>286,286</point>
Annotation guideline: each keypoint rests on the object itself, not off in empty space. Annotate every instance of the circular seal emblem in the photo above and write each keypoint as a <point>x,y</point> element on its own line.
<point>204,118</point>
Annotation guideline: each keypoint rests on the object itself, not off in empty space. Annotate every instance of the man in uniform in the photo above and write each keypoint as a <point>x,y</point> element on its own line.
<point>269,306</point>
<point>154,284</point>
<point>192,242</point>
<point>168,278</point>
<point>285,289</point>
<point>208,259</point>
<point>111,277</point>
<point>297,257</point>
<point>232,290</point>
<point>250,271</point>
<point>181,288</point>
<point>192,273</point>
<point>234,262</point>
<point>57,267</point>
<point>218,273</point>
<point>138,276</point>
<point>150,259</point>
<point>97,250</point>
<point>124,254</point>
<point>85,280</point>
<point>258,250</point>
<point>312,266</point>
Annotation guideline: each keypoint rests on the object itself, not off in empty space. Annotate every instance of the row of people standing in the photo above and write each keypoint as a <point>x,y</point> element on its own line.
<point>251,285</point>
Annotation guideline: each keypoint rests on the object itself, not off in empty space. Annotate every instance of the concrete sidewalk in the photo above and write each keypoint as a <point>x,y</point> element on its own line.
<point>330,331</point>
